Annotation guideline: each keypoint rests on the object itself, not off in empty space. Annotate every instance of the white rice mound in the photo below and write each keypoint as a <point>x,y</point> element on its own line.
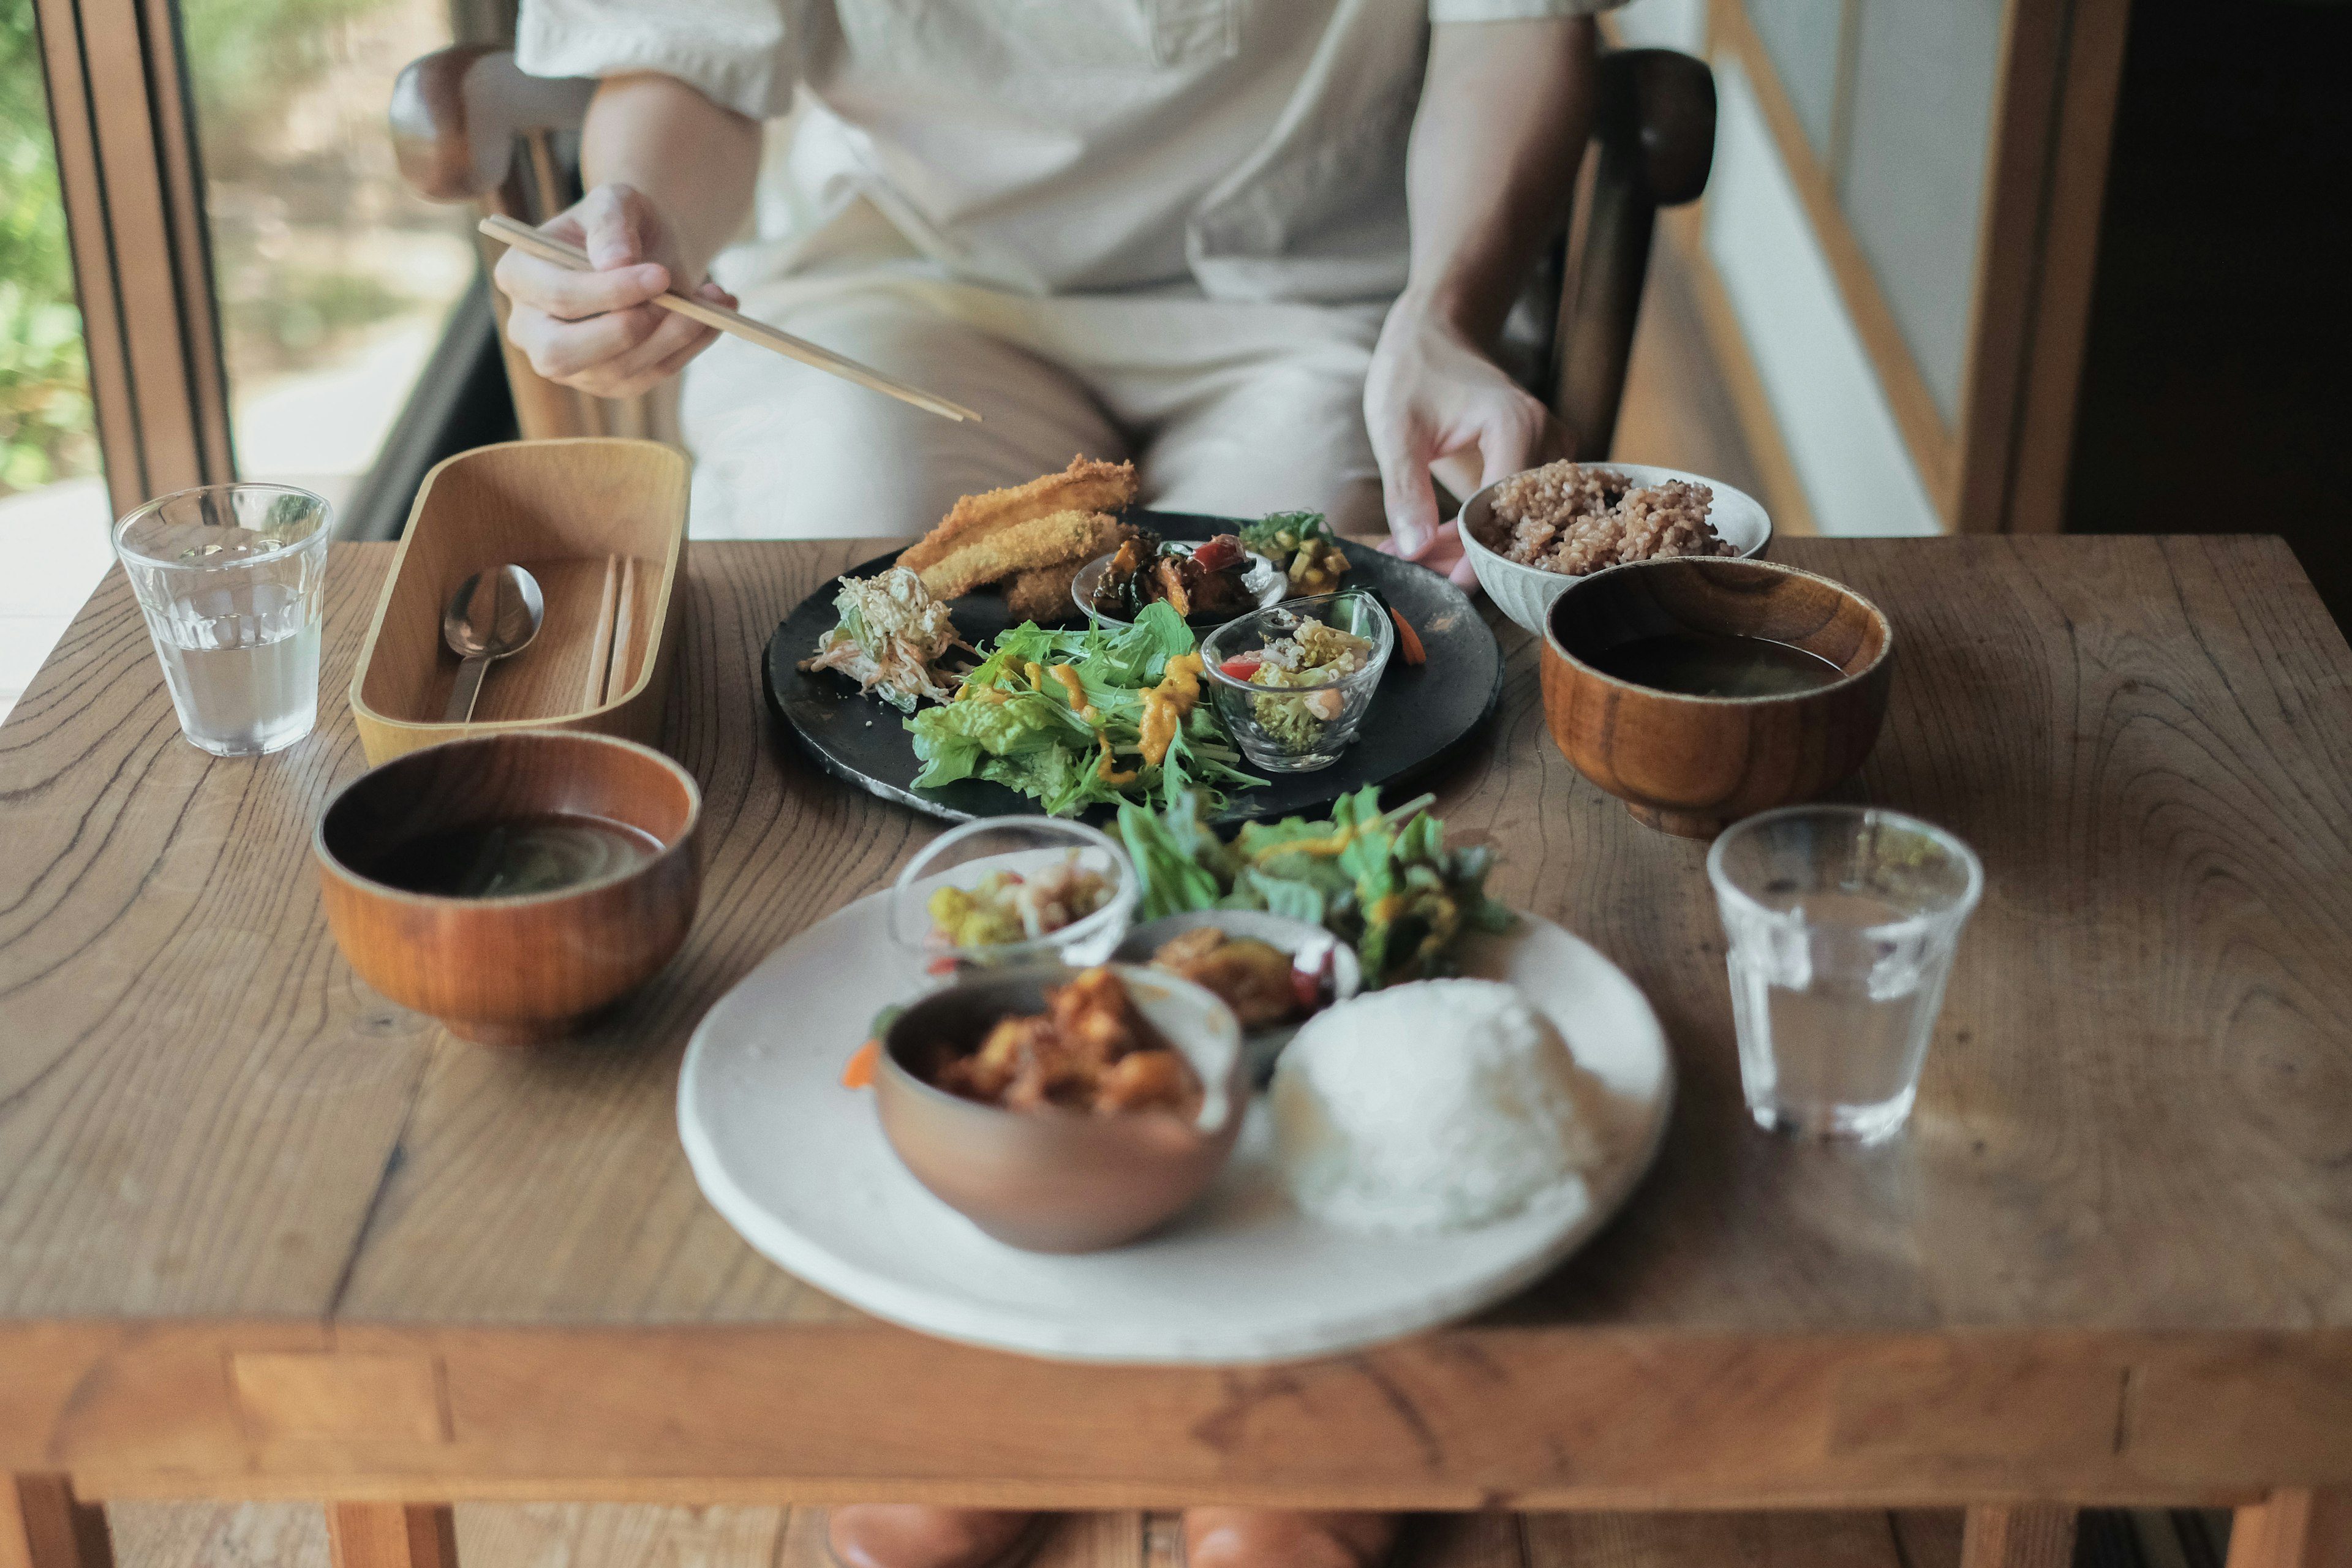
<point>1436,1106</point>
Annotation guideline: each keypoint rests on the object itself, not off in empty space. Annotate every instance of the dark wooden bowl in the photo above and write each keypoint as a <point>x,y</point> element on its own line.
<point>1691,765</point>
<point>511,971</point>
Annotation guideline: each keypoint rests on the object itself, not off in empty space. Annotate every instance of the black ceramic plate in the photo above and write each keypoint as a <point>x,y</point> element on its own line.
<point>1421,712</point>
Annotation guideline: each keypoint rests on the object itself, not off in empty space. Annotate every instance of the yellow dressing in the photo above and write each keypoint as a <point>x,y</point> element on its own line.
<point>1069,680</point>
<point>1165,705</point>
<point>1103,769</point>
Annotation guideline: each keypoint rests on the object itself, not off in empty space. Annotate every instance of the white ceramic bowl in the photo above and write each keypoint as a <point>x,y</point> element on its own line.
<point>1526,592</point>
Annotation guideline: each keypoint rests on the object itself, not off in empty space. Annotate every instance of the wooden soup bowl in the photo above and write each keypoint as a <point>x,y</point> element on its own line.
<point>1691,765</point>
<point>523,970</point>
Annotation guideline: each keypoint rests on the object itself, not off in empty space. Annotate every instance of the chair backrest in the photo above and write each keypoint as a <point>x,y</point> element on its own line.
<point>1653,143</point>
<point>467,125</point>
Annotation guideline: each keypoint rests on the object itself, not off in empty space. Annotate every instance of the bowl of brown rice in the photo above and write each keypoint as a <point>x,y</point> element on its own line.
<point>1532,534</point>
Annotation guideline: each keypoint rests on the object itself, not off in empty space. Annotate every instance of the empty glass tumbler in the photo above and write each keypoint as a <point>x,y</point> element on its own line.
<point>1842,922</point>
<point>231,579</point>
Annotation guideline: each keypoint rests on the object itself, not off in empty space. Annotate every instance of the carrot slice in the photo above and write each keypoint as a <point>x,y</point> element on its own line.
<point>859,1073</point>
<point>1408,640</point>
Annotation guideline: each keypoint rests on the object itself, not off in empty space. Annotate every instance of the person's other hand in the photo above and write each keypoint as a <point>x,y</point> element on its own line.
<point>597,331</point>
<point>1438,409</point>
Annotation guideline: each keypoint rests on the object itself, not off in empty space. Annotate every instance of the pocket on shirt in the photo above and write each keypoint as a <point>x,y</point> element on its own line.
<point>1193,32</point>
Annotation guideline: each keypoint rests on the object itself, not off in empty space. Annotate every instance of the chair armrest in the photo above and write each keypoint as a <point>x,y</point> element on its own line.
<point>456,114</point>
<point>1659,106</point>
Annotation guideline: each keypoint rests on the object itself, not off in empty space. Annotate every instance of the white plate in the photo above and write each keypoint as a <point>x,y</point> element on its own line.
<point>798,1165</point>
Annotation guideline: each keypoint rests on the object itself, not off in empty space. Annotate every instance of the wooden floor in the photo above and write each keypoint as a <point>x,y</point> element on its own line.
<point>280,1535</point>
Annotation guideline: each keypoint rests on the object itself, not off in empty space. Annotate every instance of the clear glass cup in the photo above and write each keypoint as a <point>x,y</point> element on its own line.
<point>1035,852</point>
<point>1297,729</point>
<point>1842,922</point>
<point>232,581</point>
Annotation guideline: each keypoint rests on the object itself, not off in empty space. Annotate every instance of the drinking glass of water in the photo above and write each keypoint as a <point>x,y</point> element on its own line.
<point>231,579</point>
<point>1842,922</point>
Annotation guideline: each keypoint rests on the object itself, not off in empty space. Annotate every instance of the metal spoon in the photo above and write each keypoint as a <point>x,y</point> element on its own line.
<point>492,613</point>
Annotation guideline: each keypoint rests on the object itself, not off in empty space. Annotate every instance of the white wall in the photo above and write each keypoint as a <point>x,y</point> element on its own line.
<point>1834,415</point>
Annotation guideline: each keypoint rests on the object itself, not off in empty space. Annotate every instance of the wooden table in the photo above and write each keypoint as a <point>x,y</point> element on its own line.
<point>264,1234</point>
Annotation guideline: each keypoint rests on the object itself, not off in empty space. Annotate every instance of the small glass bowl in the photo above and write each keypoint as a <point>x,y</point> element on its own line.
<point>1297,729</point>
<point>964,855</point>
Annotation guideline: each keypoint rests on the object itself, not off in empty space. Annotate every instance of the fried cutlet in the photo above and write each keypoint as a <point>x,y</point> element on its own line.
<point>1042,594</point>
<point>1083,486</point>
<point>1065,536</point>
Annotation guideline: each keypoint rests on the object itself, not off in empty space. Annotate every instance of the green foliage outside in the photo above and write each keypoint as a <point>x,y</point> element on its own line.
<point>45,423</point>
<point>247,60</point>
<point>282,307</point>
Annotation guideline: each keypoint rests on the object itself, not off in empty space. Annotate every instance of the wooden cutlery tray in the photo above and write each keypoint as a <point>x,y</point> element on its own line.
<point>562,510</point>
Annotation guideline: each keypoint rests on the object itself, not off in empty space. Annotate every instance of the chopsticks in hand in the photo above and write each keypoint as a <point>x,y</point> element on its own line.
<point>547,247</point>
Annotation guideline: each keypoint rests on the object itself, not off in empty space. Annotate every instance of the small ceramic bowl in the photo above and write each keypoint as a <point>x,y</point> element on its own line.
<point>1691,765</point>
<point>519,969</point>
<point>1297,729</point>
<point>1312,948</point>
<point>1054,1180</point>
<point>1025,846</point>
<point>1525,592</point>
<point>1265,582</point>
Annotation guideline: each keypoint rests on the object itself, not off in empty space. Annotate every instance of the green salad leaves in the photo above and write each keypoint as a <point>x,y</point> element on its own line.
<point>1383,882</point>
<point>1017,724</point>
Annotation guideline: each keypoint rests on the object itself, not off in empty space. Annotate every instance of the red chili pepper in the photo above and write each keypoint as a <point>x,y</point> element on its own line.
<point>1241,668</point>
<point>1218,553</point>
<point>1408,640</point>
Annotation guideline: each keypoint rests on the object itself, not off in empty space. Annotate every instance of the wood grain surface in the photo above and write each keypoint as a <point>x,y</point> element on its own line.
<point>2111,1260</point>
<point>545,1535</point>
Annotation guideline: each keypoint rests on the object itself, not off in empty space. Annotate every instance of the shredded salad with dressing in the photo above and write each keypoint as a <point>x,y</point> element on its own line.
<point>892,633</point>
<point>1075,718</point>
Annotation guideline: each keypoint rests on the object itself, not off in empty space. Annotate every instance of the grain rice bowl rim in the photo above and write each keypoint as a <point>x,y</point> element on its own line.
<point>1482,501</point>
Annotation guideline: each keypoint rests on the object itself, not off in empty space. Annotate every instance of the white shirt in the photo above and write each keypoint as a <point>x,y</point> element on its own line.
<point>1255,148</point>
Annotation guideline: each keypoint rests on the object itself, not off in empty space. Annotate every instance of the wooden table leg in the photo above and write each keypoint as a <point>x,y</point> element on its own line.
<point>2027,1535</point>
<point>2296,1529</point>
<point>51,1528</point>
<point>392,1535</point>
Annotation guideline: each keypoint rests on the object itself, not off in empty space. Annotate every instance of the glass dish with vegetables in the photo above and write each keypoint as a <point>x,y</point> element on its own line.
<point>1009,890</point>
<point>1292,683</point>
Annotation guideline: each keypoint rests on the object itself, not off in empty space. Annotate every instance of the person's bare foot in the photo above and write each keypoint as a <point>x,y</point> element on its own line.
<point>1282,1538</point>
<point>903,1536</point>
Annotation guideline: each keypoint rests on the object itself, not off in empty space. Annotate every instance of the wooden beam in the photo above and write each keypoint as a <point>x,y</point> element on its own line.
<point>392,1535</point>
<point>134,210</point>
<point>48,1527</point>
<point>2069,256</point>
<point>2296,1529</point>
<point>2021,1535</point>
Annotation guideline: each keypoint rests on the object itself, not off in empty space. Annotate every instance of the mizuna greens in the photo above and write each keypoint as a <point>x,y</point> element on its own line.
<point>1383,882</point>
<point>1110,714</point>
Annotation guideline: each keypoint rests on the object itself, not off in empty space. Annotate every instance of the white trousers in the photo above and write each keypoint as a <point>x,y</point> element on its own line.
<point>1229,409</point>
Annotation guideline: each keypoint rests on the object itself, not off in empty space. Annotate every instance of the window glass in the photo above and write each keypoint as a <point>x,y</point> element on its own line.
<point>53,508</point>
<point>334,280</point>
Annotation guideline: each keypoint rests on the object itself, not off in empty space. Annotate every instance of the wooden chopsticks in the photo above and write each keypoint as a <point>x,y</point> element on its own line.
<point>609,664</point>
<point>525,239</point>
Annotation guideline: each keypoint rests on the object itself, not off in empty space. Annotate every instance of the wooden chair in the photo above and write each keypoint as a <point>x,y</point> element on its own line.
<point>468,126</point>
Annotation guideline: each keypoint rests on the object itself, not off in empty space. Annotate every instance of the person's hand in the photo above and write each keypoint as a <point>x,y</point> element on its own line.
<point>596,331</point>
<point>1436,406</point>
